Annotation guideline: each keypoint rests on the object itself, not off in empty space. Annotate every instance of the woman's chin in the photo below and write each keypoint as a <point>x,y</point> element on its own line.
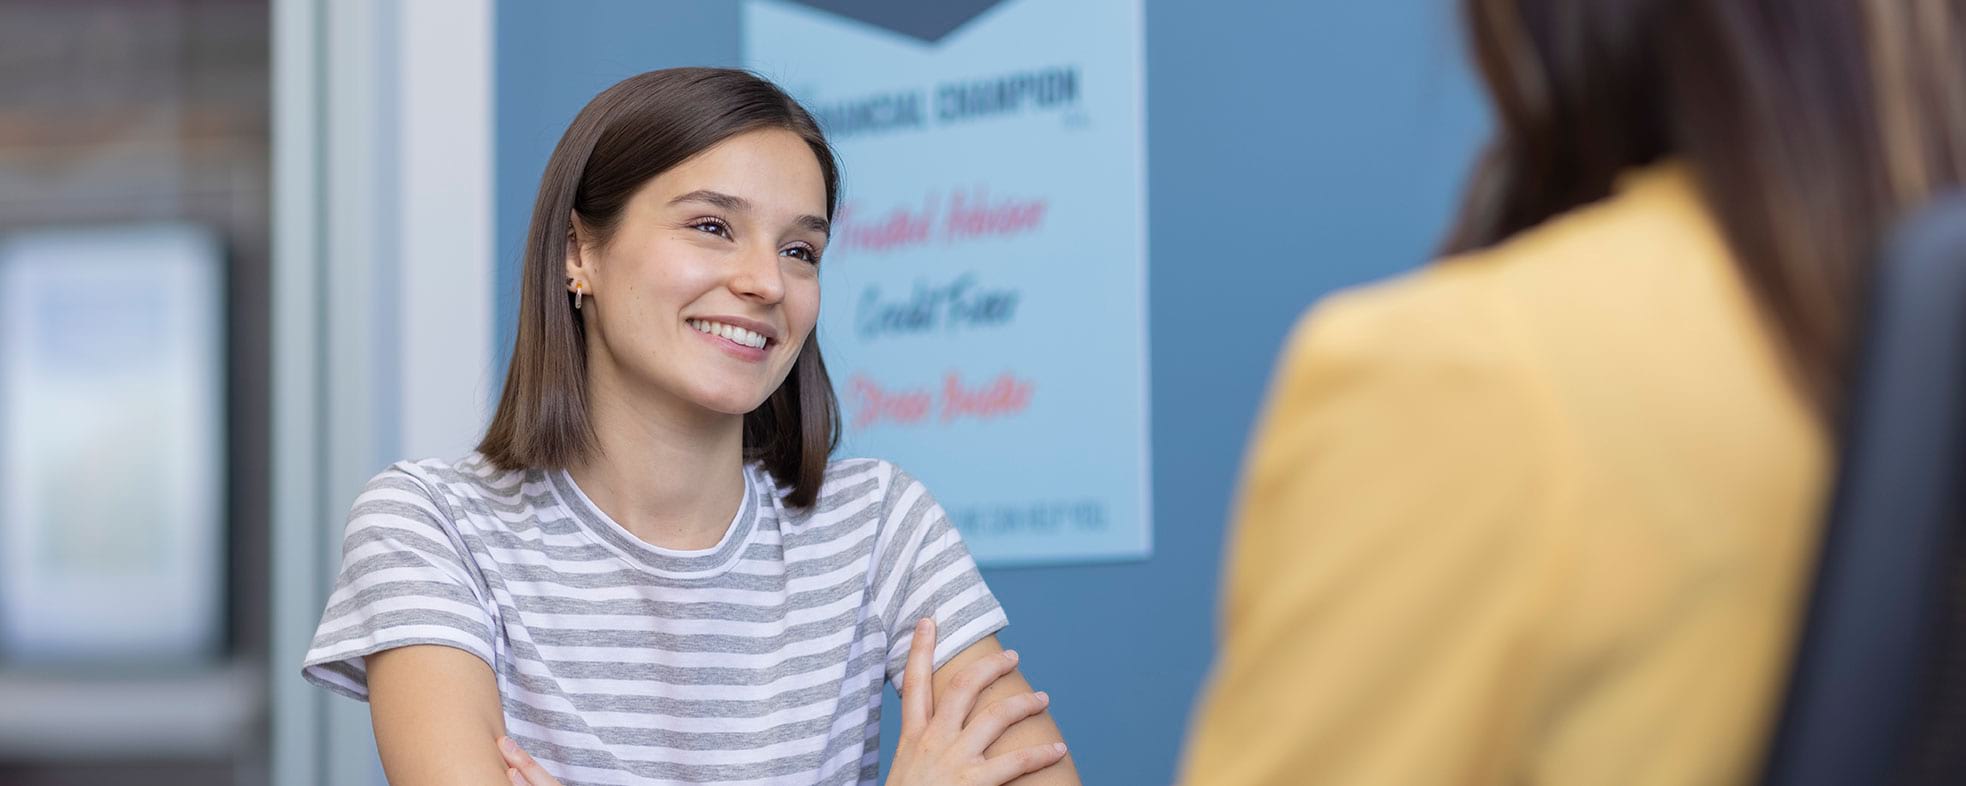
<point>731,404</point>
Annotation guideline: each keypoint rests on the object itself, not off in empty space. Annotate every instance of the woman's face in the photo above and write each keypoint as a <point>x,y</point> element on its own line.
<point>710,285</point>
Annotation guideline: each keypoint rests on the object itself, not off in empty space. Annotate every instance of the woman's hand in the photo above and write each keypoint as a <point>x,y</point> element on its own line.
<point>520,766</point>
<point>942,743</point>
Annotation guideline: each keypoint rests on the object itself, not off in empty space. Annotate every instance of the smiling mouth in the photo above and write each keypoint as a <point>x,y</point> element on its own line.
<point>733,333</point>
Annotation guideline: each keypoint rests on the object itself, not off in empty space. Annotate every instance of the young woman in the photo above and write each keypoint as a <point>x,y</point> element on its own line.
<point>650,571</point>
<point>1545,512</point>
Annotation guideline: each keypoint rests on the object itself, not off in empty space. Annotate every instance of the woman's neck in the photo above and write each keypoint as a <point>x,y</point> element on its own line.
<point>670,473</point>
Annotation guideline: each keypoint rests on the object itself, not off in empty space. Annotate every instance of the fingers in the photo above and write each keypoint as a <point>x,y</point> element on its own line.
<point>952,710</point>
<point>918,680</point>
<point>1004,768</point>
<point>990,722</point>
<point>521,767</point>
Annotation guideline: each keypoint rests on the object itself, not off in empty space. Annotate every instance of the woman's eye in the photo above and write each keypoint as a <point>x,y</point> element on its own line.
<point>801,252</point>
<point>711,226</point>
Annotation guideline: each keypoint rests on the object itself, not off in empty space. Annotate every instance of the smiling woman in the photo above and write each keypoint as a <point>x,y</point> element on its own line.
<point>600,182</point>
<point>651,570</point>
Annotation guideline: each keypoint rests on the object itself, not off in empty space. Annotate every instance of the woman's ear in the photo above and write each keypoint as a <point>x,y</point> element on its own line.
<point>578,266</point>
<point>582,258</point>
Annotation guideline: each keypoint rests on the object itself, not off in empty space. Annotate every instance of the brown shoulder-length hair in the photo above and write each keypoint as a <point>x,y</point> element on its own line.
<point>625,137</point>
<point>1809,126</point>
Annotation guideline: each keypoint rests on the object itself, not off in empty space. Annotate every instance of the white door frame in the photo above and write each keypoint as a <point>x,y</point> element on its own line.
<point>382,296</point>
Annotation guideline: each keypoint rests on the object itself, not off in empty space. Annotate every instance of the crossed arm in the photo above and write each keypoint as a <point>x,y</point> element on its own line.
<point>438,721</point>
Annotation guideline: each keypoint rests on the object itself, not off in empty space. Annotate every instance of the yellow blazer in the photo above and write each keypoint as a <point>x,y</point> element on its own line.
<point>1542,514</point>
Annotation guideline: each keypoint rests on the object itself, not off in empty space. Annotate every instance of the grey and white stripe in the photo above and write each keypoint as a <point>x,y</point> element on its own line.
<point>759,660</point>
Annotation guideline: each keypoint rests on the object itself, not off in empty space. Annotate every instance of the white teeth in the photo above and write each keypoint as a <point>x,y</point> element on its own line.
<point>731,332</point>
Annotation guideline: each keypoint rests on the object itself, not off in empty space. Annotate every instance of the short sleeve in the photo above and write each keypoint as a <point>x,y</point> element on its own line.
<point>402,581</point>
<point>926,571</point>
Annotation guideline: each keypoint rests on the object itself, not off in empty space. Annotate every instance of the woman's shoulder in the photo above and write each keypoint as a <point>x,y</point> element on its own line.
<point>471,475</point>
<point>1435,320</point>
<point>860,479</point>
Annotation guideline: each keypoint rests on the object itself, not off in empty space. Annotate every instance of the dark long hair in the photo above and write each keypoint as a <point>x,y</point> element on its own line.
<point>1808,125</point>
<point>625,137</point>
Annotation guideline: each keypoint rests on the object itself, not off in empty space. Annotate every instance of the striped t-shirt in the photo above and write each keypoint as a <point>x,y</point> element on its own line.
<point>759,660</point>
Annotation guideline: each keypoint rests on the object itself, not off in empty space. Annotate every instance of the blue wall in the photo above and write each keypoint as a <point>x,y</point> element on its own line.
<point>1292,149</point>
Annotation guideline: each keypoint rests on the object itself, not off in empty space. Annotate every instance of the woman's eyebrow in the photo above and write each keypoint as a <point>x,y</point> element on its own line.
<point>714,199</point>
<point>817,224</point>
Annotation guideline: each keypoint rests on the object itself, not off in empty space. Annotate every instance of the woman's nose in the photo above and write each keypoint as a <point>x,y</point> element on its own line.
<point>759,277</point>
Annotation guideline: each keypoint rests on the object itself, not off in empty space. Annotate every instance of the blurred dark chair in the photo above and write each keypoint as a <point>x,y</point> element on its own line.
<point>1878,694</point>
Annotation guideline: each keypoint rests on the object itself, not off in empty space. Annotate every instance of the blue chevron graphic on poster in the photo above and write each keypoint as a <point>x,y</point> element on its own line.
<point>985,286</point>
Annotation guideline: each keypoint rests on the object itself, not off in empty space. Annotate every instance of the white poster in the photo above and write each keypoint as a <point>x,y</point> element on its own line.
<point>984,291</point>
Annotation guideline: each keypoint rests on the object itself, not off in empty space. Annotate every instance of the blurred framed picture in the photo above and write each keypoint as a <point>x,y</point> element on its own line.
<point>112,390</point>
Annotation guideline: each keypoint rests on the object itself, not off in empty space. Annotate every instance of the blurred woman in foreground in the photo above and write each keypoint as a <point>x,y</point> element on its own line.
<point>1545,512</point>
